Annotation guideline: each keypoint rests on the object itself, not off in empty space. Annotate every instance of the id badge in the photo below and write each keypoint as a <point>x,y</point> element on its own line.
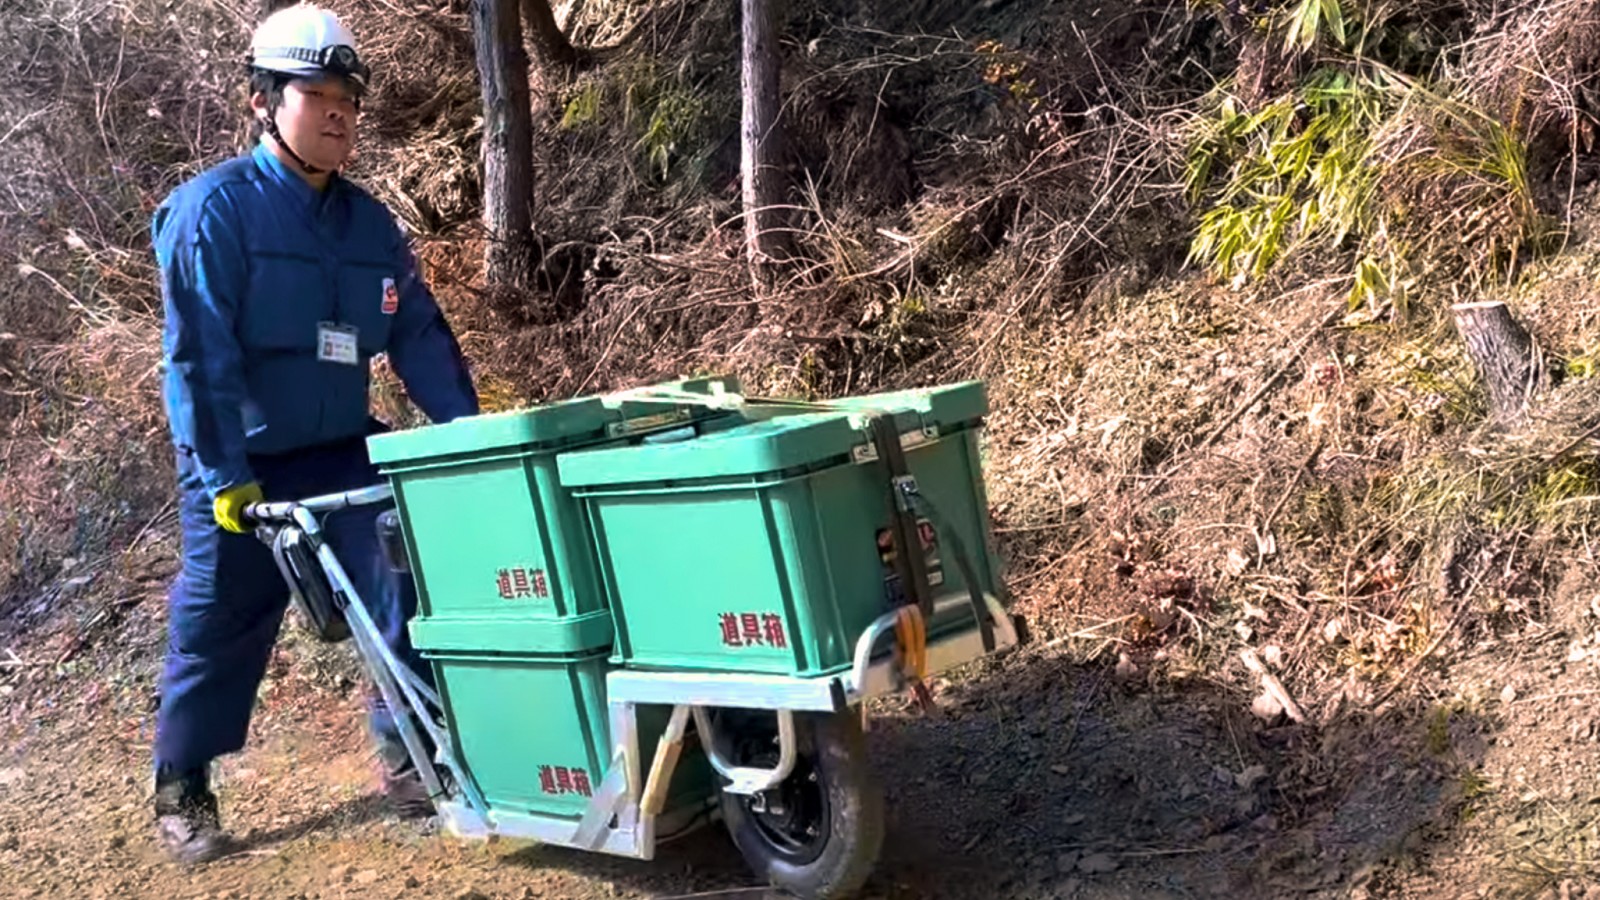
<point>337,344</point>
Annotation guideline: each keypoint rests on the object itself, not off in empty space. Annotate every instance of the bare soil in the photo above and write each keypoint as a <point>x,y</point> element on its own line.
<point>1038,776</point>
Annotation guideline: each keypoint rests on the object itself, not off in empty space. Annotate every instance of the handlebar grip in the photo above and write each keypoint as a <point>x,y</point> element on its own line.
<point>261,513</point>
<point>285,510</point>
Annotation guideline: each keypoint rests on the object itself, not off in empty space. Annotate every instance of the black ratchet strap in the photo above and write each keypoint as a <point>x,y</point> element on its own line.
<point>980,608</point>
<point>909,562</point>
<point>904,507</point>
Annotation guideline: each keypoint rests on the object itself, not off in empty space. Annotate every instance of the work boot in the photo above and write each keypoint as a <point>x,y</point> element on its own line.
<point>405,792</point>
<point>188,827</point>
<point>401,782</point>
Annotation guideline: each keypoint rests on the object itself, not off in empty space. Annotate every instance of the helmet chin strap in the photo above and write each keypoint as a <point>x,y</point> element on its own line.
<point>272,129</point>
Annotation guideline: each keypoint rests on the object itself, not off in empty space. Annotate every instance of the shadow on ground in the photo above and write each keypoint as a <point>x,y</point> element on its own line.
<point>1040,778</point>
<point>348,814</point>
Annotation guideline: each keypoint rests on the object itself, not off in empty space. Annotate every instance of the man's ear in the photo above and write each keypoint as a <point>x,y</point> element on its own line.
<point>259,104</point>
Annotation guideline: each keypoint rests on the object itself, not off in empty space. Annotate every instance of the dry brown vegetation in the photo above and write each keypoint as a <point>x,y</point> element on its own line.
<point>1183,464</point>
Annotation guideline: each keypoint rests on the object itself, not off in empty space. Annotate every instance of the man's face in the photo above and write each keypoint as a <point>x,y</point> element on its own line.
<point>317,119</point>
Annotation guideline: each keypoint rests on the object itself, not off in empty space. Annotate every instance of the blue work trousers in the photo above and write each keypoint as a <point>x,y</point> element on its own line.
<point>227,604</point>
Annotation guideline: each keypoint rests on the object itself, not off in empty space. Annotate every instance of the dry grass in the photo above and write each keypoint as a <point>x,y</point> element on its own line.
<point>1534,65</point>
<point>1205,470</point>
<point>422,122</point>
<point>1177,469</point>
<point>101,123</point>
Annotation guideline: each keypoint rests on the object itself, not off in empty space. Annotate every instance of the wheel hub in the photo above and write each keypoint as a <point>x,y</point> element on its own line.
<point>793,816</point>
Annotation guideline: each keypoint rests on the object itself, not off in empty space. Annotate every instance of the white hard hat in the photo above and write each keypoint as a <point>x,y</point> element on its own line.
<point>307,40</point>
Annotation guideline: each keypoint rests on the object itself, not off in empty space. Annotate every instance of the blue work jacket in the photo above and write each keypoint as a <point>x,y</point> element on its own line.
<point>255,265</point>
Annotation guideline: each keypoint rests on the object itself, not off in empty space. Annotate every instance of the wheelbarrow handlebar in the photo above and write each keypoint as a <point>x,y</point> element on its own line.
<point>284,511</point>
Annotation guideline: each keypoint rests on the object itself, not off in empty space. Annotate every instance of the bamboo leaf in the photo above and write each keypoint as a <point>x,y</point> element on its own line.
<point>1334,17</point>
<point>1303,24</point>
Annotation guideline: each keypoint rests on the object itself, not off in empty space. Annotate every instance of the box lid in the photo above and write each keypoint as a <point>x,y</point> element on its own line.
<point>555,425</point>
<point>943,407</point>
<point>680,393</point>
<point>668,404</point>
<point>751,448</point>
<point>551,426</point>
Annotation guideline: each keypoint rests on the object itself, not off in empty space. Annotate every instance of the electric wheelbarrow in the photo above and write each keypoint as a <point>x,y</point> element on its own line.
<point>645,613</point>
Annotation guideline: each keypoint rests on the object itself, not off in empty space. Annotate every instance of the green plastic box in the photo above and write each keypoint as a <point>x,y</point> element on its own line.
<point>498,548</point>
<point>758,547</point>
<point>535,735</point>
<point>491,534</point>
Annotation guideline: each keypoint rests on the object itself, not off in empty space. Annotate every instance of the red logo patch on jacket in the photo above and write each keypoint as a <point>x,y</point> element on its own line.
<point>391,297</point>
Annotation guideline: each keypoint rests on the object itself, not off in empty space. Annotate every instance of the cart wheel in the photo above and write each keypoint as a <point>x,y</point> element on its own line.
<point>816,835</point>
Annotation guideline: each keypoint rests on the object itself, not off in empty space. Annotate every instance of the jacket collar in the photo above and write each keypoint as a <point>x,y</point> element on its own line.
<point>308,197</point>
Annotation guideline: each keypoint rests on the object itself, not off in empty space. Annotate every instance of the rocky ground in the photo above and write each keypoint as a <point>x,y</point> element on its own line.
<point>1038,776</point>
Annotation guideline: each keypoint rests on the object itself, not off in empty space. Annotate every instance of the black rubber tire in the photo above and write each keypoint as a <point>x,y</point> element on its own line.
<point>832,746</point>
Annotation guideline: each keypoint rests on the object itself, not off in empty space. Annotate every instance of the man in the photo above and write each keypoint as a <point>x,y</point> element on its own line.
<point>281,281</point>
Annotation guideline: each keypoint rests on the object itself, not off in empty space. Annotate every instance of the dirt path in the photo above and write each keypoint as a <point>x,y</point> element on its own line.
<point>1037,778</point>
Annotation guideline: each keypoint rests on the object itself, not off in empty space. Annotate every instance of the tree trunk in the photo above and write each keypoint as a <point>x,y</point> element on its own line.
<point>1506,357</point>
<point>507,144</point>
<point>763,187</point>
<point>550,45</point>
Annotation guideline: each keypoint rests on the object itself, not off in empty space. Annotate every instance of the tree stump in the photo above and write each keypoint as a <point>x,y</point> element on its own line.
<point>1506,357</point>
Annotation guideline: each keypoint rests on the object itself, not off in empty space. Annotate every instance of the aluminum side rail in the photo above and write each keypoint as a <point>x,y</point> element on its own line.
<point>874,672</point>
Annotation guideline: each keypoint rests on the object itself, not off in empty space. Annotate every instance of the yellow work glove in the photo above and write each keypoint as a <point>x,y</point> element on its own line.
<point>228,508</point>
